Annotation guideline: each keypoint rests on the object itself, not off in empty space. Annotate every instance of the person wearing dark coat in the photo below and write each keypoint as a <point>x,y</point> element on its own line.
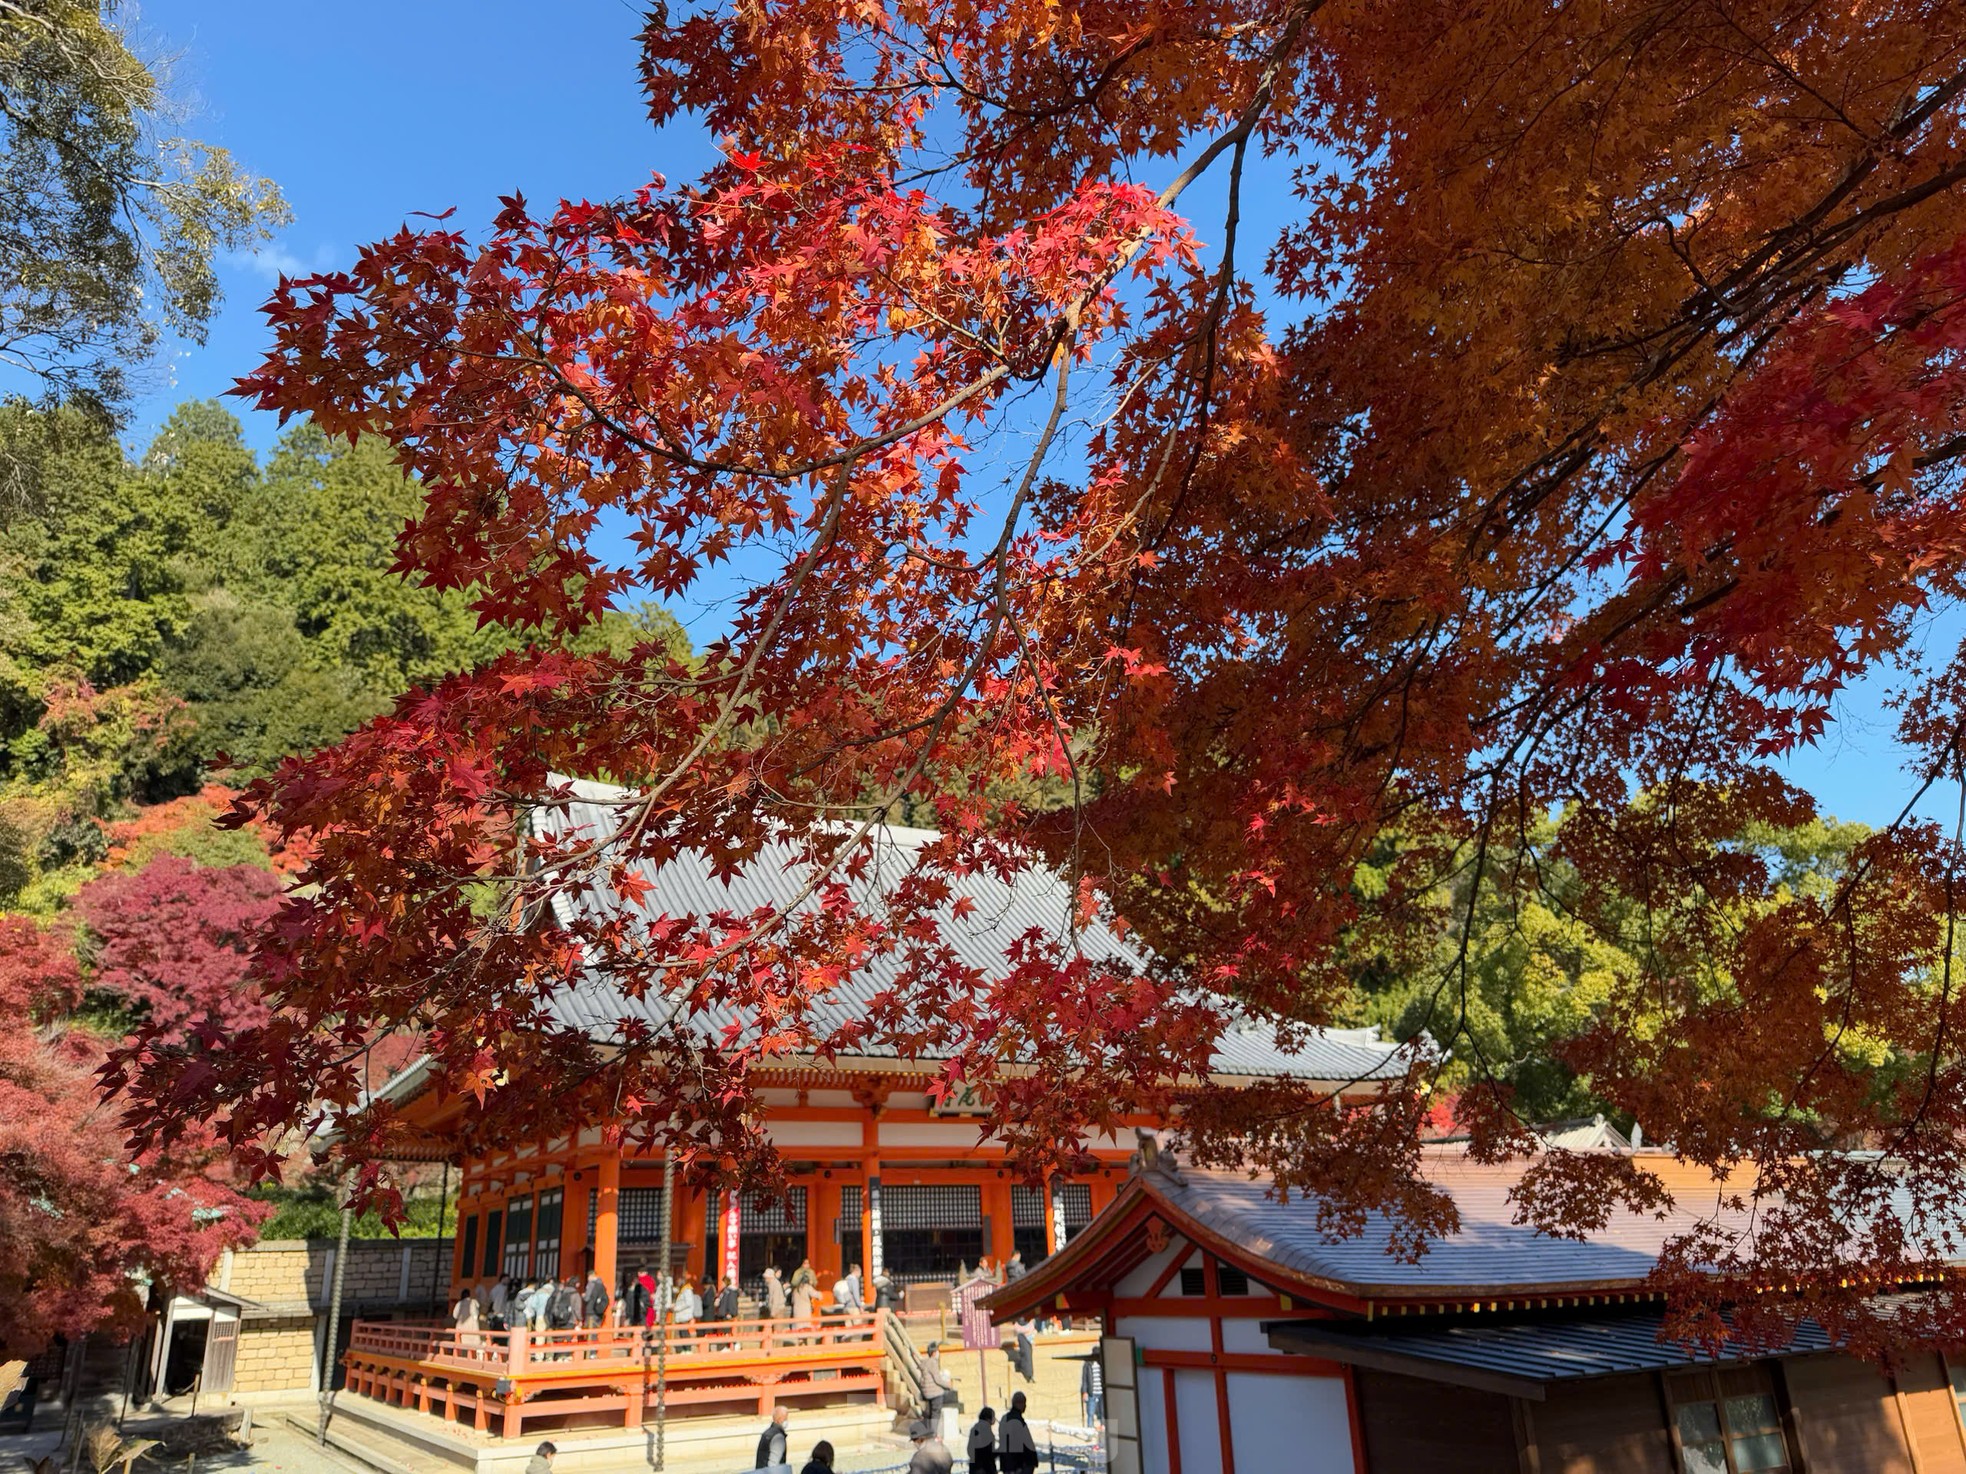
<point>1092,1391</point>
<point>821,1461</point>
<point>1017,1450</point>
<point>641,1299</point>
<point>982,1447</point>
<point>727,1301</point>
<point>563,1308</point>
<point>1022,1351</point>
<point>594,1305</point>
<point>773,1446</point>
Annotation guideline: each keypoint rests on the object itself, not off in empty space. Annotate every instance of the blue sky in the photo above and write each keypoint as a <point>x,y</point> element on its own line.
<point>366,112</point>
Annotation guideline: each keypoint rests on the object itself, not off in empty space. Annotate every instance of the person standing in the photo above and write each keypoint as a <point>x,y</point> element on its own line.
<point>595,1307</point>
<point>1017,1450</point>
<point>805,1284</point>
<point>640,1299</point>
<point>775,1304</point>
<point>883,1290</point>
<point>931,1454</point>
<point>542,1458</point>
<point>464,1317</point>
<point>542,1297</point>
<point>938,1389</point>
<point>688,1306</point>
<point>774,1448</point>
<point>846,1291</point>
<point>1022,1349</point>
<point>501,1306</point>
<point>982,1447</point>
<point>1092,1391</point>
<point>1014,1270</point>
<point>563,1305</point>
<point>821,1461</point>
<point>727,1305</point>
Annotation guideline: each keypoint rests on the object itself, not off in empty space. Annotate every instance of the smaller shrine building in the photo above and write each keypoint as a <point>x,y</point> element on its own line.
<point>1237,1336</point>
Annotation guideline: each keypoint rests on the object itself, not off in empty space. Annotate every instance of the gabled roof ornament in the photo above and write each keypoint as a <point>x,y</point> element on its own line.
<point>1150,1156</point>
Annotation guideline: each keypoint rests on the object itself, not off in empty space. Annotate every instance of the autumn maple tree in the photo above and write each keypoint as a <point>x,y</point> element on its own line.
<point>82,1226</point>
<point>173,941</point>
<point>1278,426</point>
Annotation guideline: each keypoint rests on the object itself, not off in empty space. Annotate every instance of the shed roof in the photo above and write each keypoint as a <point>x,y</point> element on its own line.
<point>1036,899</point>
<point>1523,1358</point>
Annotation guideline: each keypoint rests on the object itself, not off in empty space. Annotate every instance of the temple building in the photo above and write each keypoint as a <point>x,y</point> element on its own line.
<point>1238,1336</point>
<point>879,1175</point>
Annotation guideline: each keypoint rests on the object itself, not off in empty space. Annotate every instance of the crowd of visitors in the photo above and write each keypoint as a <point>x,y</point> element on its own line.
<point>994,1445</point>
<point>553,1304</point>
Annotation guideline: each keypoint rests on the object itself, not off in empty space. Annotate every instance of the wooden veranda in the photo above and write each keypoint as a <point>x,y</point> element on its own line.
<point>499,1381</point>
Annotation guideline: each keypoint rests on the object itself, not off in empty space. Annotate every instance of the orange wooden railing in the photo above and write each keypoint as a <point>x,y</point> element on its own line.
<point>514,1376</point>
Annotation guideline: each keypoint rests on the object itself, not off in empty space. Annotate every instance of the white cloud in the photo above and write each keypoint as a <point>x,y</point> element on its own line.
<point>274,261</point>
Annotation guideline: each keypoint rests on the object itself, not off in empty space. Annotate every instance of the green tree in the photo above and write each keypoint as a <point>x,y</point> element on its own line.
<point>1538,956</point>
<point>108,221</point>
<point>247,675</point>
<point>160,612</point>
<point>318,537</point>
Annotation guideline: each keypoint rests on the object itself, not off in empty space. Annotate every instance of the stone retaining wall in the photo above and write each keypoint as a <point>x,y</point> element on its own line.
<point>395,1273</point>
<point>287,1285</point>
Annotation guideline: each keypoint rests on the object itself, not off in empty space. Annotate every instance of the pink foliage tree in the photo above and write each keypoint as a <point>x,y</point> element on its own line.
<point>175,939</point>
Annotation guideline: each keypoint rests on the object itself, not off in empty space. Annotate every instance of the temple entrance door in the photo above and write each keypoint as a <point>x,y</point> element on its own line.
<point>1028,1207</point>
<point>930,1231</point>
<point>770,1235</point>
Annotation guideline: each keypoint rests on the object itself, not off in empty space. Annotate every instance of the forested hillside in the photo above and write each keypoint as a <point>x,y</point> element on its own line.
<point>171,626</point>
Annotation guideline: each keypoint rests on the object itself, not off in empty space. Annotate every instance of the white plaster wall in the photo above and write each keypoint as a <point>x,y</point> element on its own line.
<point>814,1133</point>
<point>956,1135</point>
<point>1285,1422</point>
<point>1246,1336</point>
<point>1137,1282</point>
<point>1153,1423</point>
<point>1166,1332</point>
<point>1201,1425</point>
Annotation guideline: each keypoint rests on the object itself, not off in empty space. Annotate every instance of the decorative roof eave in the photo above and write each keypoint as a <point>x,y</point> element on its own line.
<point>413,1089</point>
<point>1144,1198</point>
<point>1150,1187</point>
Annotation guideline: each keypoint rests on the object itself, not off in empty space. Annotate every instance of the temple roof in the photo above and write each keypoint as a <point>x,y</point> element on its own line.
<point>1036,899</point>
<point>1281,1242</point>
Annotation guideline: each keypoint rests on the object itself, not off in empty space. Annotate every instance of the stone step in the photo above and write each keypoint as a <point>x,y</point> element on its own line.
<point>399,1441</point>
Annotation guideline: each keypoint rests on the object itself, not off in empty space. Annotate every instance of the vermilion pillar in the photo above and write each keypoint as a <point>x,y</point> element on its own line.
<point>607,1219</point>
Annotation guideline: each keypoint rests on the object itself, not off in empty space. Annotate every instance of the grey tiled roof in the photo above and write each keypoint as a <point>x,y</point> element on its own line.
<point>1037,900</point>
<point>1491,1254</point>
<point>1491,1251</point>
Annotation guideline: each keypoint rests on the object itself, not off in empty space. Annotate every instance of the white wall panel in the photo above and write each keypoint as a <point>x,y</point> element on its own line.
<point>1201,1425</point>
<point>1166,1332</point>
<point>1286,1422</point>
<point>1136,1282</point>
<point>814,1133</point>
